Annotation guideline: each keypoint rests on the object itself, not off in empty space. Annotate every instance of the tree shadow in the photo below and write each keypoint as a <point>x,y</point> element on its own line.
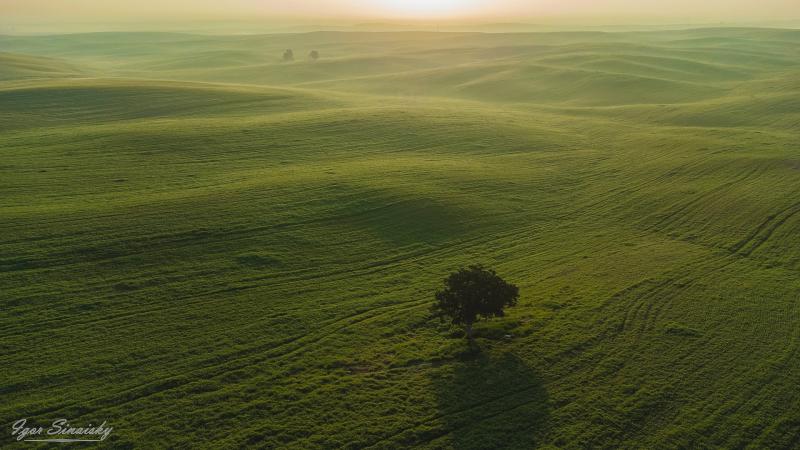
<point>491,402</point>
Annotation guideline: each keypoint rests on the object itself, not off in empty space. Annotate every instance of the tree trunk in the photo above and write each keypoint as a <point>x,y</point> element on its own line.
<point>468,327</point>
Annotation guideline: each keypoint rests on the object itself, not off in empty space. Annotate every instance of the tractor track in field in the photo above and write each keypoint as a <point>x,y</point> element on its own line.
<point>765,231</point>
<point>681,280</point>
<point>675,215</point>
<point>660,178</point>
<point>685,284</point>
<point>636,306</point>
<point>241,361</point>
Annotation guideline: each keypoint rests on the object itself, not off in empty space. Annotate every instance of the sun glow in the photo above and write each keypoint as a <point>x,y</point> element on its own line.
<point>428,8</point>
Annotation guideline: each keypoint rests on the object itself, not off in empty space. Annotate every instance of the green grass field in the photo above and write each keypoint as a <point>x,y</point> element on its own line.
<point>209,247</point>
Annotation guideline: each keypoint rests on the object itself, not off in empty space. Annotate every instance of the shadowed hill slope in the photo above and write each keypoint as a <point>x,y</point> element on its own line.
<point>96,101</point>
<point>16,67</point>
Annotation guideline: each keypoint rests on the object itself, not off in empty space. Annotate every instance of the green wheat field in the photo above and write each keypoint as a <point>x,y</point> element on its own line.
<point>209,247</point>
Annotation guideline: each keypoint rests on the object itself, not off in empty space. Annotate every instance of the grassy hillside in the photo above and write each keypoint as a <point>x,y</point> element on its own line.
<point>208,247</point>
<point>14,67</point>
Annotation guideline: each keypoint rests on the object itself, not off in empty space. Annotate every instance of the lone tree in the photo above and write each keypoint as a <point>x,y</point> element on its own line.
<point>314,55</point>
<point>288,55</point>
<point>473,294</point>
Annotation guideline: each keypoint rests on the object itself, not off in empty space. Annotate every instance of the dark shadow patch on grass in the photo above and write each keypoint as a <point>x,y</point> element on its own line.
<point>491,402</point>
<point>19,264</point>
<point>126,287</point>
<point>258,261</point>
<point>413,221</point>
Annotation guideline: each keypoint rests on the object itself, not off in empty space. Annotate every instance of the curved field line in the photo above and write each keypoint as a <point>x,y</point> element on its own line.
<point>766,230</point>
<point>675,215</point>
<point>175,381</point>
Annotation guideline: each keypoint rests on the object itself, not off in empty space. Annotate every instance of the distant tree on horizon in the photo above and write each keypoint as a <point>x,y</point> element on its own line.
<point>473,294</point>
<point>288,55</point>
<point>314,55</point>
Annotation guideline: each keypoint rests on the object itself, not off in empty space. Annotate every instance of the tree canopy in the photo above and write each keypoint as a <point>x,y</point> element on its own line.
<point>472,294</point>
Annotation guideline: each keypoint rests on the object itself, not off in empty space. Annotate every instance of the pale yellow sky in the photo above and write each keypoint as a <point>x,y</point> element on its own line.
<point>516,10</point>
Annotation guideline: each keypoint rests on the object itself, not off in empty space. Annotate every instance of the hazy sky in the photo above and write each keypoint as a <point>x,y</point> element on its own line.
<point>111,11</point>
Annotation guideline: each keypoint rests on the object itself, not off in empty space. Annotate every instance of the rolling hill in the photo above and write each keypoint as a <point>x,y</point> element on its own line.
<point>15,66</point>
